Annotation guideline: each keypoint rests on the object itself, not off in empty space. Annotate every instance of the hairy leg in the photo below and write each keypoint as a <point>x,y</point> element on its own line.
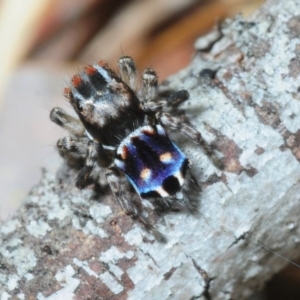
<point>128,71</point>
<point>71,124</point>
<point>175,123</point>
<point>93,151</point>
<point>118,188</point>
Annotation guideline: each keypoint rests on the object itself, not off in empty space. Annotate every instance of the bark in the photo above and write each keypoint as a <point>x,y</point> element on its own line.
<point>69,244</point>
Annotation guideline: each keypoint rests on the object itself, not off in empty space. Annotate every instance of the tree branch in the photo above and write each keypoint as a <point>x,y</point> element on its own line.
<point>244,97</point>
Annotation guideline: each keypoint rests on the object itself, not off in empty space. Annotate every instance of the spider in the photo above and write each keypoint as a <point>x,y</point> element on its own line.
<point>123,129</point>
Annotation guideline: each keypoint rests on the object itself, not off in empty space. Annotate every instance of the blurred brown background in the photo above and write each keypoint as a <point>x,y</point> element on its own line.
<point>44,42</point>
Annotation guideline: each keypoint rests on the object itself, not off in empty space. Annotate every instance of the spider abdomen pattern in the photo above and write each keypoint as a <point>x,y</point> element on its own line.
<point>154,165</point>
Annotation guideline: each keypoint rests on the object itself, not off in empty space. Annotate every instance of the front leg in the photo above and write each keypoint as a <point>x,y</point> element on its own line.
<point>176,99</point>
<point>149,85</point>
<point>73,150</point>
<point>175,123</point>
<point>168,105</point>
<point>128,71</point>
<point>92,154</point>
<point>118,188</point>
<point>66,121</point>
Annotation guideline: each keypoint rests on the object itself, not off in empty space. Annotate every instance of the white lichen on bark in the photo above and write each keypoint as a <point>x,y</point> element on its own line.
<point>68,244</point>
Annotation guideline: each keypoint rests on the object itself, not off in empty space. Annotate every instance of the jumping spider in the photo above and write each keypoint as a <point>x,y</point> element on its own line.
<point>124,130</point>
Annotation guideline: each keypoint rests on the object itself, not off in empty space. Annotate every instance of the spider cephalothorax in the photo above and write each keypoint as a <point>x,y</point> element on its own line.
<point>124,129</point>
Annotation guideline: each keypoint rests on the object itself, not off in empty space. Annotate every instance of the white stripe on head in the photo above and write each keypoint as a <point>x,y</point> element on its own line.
<point>104,73</point>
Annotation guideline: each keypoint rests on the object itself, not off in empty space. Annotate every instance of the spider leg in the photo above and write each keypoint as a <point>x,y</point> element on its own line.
<point>167,105</point>
<point>128,71</point>
<point>71,124</point>
<point>175,99</point>
<point>149,85</point>
<point>93,151</point>
<point>73,150</point>
<point>175,123</point>
<point>118,188</point>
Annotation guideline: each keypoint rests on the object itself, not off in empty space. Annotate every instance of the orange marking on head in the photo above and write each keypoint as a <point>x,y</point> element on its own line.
<point>76,80</point>
<point>165,156</point>
<point>103,63</point>
<point>145,173</point>
<point>90,70</point>
<point>67,93</point>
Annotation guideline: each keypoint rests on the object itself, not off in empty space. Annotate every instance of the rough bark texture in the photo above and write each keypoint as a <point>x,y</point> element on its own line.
<point>69,244</point>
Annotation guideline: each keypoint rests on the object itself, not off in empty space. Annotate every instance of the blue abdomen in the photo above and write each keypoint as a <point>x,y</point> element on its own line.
<point>155,166</point>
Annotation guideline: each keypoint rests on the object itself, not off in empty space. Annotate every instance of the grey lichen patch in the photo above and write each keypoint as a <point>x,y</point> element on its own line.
<point>12,282</point>
<point>104,274</point>
<point>294,65</point>
<point>68,284</point>
<point>249,37</point>
<point>38,228</point>
<point>92,228</point>
<point>231,159</point>
<point>269,114</point>
<point>259,47</point>
<point>85,266</point>
<point>248,105</point>
<point>5,296</point>
<point>10,226</point>
<point>99,211</point>
<point>113,255</point>
<point>293,25</point>
<point>111,283</point>
<point>276,81</point>
<point>47,269</point>
<point>22,258</point>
